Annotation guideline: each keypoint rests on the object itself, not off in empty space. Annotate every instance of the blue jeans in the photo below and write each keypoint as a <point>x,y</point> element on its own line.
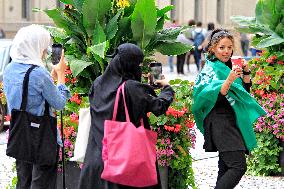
<point>170,62</point>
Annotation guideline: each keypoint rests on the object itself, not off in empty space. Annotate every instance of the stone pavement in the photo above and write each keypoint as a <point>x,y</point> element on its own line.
<point>205,165</point>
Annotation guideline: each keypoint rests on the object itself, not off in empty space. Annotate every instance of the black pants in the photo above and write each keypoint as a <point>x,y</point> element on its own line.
<point>232,166</point>
<point>180,63</point>
<point>31,176</point>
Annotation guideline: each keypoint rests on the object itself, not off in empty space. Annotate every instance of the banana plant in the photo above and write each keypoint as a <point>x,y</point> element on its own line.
<point>267,25</point>
<point>90,29</point>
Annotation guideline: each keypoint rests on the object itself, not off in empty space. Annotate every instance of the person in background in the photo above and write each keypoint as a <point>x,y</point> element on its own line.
<point>2,34</point>
<point>140,99</point>
<point>244,43</point>
<point>182,57</point>
<point>188,35</point>
<point>210,28</point>
<point>223,109</point>
<point>29,47</point>
<point>198,35</point>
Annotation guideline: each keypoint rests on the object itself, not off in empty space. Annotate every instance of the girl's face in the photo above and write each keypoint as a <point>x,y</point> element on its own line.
<point>223,50</point>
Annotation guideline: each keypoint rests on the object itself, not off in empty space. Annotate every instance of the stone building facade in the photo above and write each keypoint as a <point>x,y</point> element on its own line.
<point>17,13</point>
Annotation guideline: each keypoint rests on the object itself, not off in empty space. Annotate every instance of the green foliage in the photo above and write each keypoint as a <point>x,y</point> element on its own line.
<point>267,73</point>
<point>94,28</point>
<point>14,180</point>
<point>268,24</point>
<point>143,22</point>
<point>263,160</point>
<point>176,135</point>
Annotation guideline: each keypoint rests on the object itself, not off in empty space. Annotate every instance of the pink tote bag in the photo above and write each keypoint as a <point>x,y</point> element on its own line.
<point>129,153</point>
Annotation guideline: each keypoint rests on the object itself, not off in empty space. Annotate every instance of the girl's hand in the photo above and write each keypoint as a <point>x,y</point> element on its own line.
<point>61,66</point>
<point>245,66</point>
<point>235,73</point>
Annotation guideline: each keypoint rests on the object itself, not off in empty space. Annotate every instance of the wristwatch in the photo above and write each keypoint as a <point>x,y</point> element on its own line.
<point>246,73</point>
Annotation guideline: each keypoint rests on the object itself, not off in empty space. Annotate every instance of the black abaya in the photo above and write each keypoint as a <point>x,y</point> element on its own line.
<point>140,99</point>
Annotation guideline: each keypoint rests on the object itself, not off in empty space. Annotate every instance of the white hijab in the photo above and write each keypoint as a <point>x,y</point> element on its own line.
<point>29,44</point>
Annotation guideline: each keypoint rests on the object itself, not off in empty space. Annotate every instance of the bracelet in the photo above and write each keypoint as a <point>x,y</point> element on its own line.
<point>246,73</point>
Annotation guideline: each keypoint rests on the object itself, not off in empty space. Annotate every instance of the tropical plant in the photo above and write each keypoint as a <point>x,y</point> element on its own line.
<point>90,29</point>
<point>267,25</point>
<point>176,135</point>
<point>268,89</point>
<point>267,73</point>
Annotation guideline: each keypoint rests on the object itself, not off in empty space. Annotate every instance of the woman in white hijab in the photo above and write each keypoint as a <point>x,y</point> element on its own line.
<point>29,47</point>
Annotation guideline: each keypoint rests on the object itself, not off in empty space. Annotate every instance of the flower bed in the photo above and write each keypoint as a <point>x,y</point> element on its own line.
<point>176,135</point>
<point>268,89</point>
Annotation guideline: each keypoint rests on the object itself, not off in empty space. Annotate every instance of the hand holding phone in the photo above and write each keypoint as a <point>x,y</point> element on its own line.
<point>56,53</point>
<point>155,73</point>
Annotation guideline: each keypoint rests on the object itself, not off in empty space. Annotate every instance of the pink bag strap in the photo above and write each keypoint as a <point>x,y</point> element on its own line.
<point>121,87</point>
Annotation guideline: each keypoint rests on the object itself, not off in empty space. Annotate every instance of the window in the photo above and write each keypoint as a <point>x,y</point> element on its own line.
<point>26,9</point>
<point>220,11</point>
<point>197,10</point>
<point>59,4</point>
<point>173,12</point>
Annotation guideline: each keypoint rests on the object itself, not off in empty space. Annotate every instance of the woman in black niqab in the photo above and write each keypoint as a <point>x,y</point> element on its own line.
<point>140,99</point>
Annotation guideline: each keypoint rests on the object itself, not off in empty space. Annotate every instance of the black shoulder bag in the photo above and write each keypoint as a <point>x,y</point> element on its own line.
<point>32,138</point>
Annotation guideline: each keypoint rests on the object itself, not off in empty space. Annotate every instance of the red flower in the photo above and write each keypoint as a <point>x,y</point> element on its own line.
<point>260,72</point>
<point>280,62</point>
<point>73,80</point>
<point>75,98</point>
<point>7,118</point>
<point>270,60</point>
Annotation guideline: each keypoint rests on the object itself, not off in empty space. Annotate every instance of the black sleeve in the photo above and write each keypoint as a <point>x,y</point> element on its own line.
<point>159,105</point>
<point>144,100</point>
<point>247,86</point>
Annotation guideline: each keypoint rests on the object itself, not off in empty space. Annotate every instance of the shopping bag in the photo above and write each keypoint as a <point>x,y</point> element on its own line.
<point>82,135</point>
<point>129,153</point>
<point>32,138</point>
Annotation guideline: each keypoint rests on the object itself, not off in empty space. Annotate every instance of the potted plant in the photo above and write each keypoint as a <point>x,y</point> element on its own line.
<point>176,136</point>
<point>90,29</point>
<point>267,72</point>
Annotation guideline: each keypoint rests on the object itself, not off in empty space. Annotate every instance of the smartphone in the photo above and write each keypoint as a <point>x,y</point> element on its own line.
<point>56,53</point>
<point>155,72</point>
<point>237,61</point>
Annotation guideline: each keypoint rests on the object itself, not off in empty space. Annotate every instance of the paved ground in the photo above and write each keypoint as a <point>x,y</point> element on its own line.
<point>205,164</point>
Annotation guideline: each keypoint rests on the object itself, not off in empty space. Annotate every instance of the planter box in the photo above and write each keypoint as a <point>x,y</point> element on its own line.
<point>281,158</point>
<point>72,175</point>
<point>164,176</point>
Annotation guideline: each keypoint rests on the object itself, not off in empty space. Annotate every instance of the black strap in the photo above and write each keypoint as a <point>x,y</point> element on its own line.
<point>25,92</point>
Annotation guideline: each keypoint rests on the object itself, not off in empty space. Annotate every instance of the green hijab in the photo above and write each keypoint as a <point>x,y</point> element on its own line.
<point>206,90</point>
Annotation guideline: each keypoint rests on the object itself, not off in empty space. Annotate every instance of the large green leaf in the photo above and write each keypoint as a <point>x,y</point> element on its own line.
<point>270,41</point>
<point>112,26</point>
<point>172,48</point>
<point>77,66</point>
<point>58,18</point>
<point>266,13</point>
<point>94,10</point>
<point>280,29</point>
<point>143,22</point>
<point>243,20</point>
<point>58,33</point>
<point>78,4</point>
<point>99,34</point>
<point>123,28</point>
<point>67,2</point>
<point>170,33</point>
<point>99,49</point>
<point>161,12</point>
